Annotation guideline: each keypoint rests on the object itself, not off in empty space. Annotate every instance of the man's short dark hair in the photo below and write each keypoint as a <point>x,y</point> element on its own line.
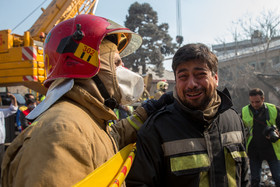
<point>195,51</point>
<point>256,91</point>
<point>30,101</point>
<point>28,95</point>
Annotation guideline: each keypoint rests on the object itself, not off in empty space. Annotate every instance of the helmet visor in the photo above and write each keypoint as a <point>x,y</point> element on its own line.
<point>126,40</point>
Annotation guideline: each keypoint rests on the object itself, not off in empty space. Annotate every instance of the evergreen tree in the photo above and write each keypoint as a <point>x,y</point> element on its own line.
<point>157,43</point>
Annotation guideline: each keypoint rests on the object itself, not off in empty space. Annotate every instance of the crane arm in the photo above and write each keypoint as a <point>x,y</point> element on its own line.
<point>57,11</point>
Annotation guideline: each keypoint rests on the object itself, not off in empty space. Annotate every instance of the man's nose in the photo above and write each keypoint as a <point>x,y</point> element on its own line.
<point>192,82</point>
<point>254,104</point>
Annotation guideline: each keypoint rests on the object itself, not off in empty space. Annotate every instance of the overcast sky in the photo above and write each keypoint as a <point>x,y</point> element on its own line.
<point>202,20</point>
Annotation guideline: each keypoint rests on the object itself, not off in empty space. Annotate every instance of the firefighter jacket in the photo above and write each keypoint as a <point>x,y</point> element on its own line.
<point>72,137</point>
<point>177,147</point>
<point>270,116</point>
<point>66,143</point>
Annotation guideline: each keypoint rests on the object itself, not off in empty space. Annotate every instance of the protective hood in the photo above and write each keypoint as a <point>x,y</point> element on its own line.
<point>107,73</point>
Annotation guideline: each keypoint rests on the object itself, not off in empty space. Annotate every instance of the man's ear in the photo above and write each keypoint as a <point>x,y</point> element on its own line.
<point>216,77</point>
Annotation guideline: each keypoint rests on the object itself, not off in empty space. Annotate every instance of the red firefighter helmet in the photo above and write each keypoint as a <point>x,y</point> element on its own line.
<point>71,49</point>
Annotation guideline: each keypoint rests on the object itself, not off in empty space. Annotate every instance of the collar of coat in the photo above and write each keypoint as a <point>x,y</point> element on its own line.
<point>96,108</point>
<point>90,98</point>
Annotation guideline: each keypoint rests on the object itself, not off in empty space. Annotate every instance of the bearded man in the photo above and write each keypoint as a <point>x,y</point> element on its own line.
<point>199,139</point>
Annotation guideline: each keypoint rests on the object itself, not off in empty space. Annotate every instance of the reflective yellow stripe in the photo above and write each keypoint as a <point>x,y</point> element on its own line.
<point>135,121</point>
<point>238,154</point>
<point>230,168</point>
<point>189,162</point>
<point>232,137</point>
<point>117,113</point>
<point>34,123</point>
<point>184,146</point>
<point>204,179</point>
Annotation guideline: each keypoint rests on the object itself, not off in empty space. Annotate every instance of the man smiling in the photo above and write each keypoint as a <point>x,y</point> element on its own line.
<point>199,139</point>
<point>196,84</point>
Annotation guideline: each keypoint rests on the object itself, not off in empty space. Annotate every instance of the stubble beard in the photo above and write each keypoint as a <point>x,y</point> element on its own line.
<point>200,105</point>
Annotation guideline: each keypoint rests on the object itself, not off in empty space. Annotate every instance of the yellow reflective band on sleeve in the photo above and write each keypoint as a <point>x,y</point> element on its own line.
<point>204,179</point>
<point>189,162</point>
<point>135,121</point>
<point>34,123</point>
<point>239,154</point>
<point>117,113</point>
<point>230,168</point>
<point>87,54</point>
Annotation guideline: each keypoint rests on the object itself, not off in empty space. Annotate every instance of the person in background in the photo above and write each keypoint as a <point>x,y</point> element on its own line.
<point>4,113</point>
<point>30,104</point>
<point>41,98</point>
<point>22,108</point>
<point>70,136</point>
<point>198,140</point>
<point>263,121</point>
<point>162,86</point>
<point>29,96</point>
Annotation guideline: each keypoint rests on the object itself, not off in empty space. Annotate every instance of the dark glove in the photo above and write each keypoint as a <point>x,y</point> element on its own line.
<point>153,105</point>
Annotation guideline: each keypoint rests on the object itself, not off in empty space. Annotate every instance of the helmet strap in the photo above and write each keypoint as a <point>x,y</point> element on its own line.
<point>109,101</point>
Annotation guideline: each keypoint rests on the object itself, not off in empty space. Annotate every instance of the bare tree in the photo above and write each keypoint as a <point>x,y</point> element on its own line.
<point>262,31</point>
<point>248,55</point>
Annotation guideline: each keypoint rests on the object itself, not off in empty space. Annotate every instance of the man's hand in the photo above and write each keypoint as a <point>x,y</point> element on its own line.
<point>10,95</point>
<point>153,105</point>
<point>13,99</point>
<point>277,132</point>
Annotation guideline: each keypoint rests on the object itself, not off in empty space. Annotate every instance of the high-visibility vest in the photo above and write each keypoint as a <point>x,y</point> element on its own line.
<point>248,120</point>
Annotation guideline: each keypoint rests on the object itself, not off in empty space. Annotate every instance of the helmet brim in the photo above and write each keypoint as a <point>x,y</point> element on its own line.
<point>133,42</point>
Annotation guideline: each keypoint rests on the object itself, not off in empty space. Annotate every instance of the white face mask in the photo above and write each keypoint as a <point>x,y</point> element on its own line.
<point>131,85</point>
